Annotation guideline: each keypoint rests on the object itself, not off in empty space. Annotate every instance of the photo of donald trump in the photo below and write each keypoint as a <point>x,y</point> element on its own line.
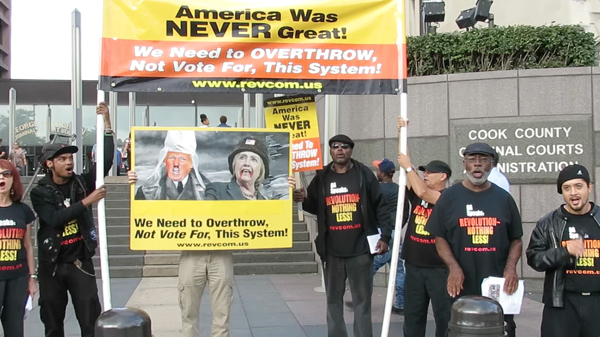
<point>176,176</point>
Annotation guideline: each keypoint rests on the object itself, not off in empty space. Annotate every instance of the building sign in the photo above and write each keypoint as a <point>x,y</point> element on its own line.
<point>266,46</point>
<point>25,129</point>
<point>532,149</point>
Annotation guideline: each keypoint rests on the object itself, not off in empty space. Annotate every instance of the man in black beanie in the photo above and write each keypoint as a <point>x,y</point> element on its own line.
<point>346,198</point>
<point>566,245</point>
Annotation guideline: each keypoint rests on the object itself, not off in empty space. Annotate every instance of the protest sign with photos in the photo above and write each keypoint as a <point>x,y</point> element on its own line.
<point>210,189</point>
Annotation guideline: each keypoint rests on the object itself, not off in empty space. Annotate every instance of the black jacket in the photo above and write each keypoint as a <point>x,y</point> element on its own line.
<point>375,211</point>
<point>48,200</point>
<point>546,253</point>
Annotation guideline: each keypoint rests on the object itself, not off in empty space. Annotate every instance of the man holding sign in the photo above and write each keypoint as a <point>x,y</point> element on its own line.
<point>349,205</point>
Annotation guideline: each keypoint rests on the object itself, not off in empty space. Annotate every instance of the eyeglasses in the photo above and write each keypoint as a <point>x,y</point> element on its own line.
<point>337,146</point>
<point>6,174</point>
<point>482,159</point>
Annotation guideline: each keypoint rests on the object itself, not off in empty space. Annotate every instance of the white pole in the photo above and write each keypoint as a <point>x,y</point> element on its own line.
<point>76,87</point>
<point>104,267</point>
<point>402,145</point>
<point>246,112</point>
<point>12,119</point>
<point>259,111</point>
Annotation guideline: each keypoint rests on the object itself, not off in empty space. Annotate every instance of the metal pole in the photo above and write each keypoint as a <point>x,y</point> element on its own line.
<point>12,103</point>
<point>76,87</point>
<point>104,267</point>
<point>402,146</point>
<point>246,111</point>
<point>132,103</point>
<point>113,98</point>
<point>49,122</point>
<point>195,112</point>
<point>147,116</point>
<point>259,111</point>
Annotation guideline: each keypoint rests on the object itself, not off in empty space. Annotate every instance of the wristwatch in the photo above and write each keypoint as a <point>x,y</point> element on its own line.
<point>410,169</point>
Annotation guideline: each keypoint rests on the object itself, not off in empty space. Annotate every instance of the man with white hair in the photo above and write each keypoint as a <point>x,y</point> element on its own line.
<point>176,176</point>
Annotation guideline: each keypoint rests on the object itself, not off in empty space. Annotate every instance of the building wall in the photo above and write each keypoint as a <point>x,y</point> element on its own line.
<point>519,12</point>
<point>5,38</point>
<point>444,109</point>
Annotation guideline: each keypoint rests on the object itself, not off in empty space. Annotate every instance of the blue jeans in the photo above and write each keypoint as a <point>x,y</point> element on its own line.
<point>381,260</point>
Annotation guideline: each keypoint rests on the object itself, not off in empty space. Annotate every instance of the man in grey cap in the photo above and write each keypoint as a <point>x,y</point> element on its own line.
<point>176,176</point>
<point>566,244</point>
<point>347,200</point>
<point>477,229</point>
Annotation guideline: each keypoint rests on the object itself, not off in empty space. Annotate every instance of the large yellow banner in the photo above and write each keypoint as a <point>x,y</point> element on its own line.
<point>210,189</point>
<point>292,46</point>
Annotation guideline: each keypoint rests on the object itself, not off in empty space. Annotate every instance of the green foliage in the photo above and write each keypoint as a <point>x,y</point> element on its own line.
<point>501,48</point>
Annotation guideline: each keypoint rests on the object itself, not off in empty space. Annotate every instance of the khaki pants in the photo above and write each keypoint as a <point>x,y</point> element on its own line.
<point>196,269</point>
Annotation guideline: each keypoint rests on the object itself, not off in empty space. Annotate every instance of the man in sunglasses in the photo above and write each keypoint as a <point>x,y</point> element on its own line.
<point>67,235</point>
<point>347,200</point>
<point>477,229</point>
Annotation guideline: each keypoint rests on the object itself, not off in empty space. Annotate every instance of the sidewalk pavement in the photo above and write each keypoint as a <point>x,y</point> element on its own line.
<point>264,305</point>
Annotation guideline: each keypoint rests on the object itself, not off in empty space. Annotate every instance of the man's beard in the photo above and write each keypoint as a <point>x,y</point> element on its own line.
<point>478,181</point>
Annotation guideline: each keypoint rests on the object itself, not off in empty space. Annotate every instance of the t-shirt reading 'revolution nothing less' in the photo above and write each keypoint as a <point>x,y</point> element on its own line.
<point>71,247</point>
<point>13,227</point>
<point>479,227</point>
<point>419,244</point>
<point>584,276</point>
<point>345,233</point>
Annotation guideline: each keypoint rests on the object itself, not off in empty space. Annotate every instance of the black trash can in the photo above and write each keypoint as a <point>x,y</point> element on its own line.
<point>476,316</point>
<point>123,322</point>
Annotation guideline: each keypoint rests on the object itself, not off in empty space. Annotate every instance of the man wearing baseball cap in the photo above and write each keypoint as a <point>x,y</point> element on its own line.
<point>478,230</point>
<point>67,235</point>
<point>349,205</point>
<point>565,244</point>
<point>426,273</point>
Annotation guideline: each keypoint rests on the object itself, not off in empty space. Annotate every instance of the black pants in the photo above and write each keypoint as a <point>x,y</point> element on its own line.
<point>359,271</point>
<point>421,286</point>
<point>13,296</point>
<point>55,280</point>
<point>579,317</point>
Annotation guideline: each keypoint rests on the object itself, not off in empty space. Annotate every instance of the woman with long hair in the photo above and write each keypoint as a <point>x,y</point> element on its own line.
<point>17,267</point>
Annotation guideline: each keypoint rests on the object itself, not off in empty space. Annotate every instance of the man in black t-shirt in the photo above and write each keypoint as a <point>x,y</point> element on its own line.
<point>347,200</point>
<point>566,245</point>
<point>426,273</point>
<point>478,230</point>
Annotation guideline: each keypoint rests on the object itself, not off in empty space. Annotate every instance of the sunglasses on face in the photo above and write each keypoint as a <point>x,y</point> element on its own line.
<point>6,174</point>
<point>337,146</point>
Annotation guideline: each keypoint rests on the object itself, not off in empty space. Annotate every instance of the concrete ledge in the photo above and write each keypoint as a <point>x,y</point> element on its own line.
<point>555,72</point>
<point>427,79</point>
<point>487,75</point>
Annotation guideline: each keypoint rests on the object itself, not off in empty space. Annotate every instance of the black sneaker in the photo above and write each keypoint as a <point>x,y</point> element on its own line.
<point>397,311</point>
<point>349,305</point>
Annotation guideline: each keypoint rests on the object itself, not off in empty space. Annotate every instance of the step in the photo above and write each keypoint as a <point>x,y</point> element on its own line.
<point>123,250</point>
<point>117,188</point>
<point>122,260</point>
<point>118,239</point>
<point>117,212</point>
<point>112,195</point>
<point>241,269</point>
<point>121,272</point>
<point>117,229</point>
<point>241,257</point>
